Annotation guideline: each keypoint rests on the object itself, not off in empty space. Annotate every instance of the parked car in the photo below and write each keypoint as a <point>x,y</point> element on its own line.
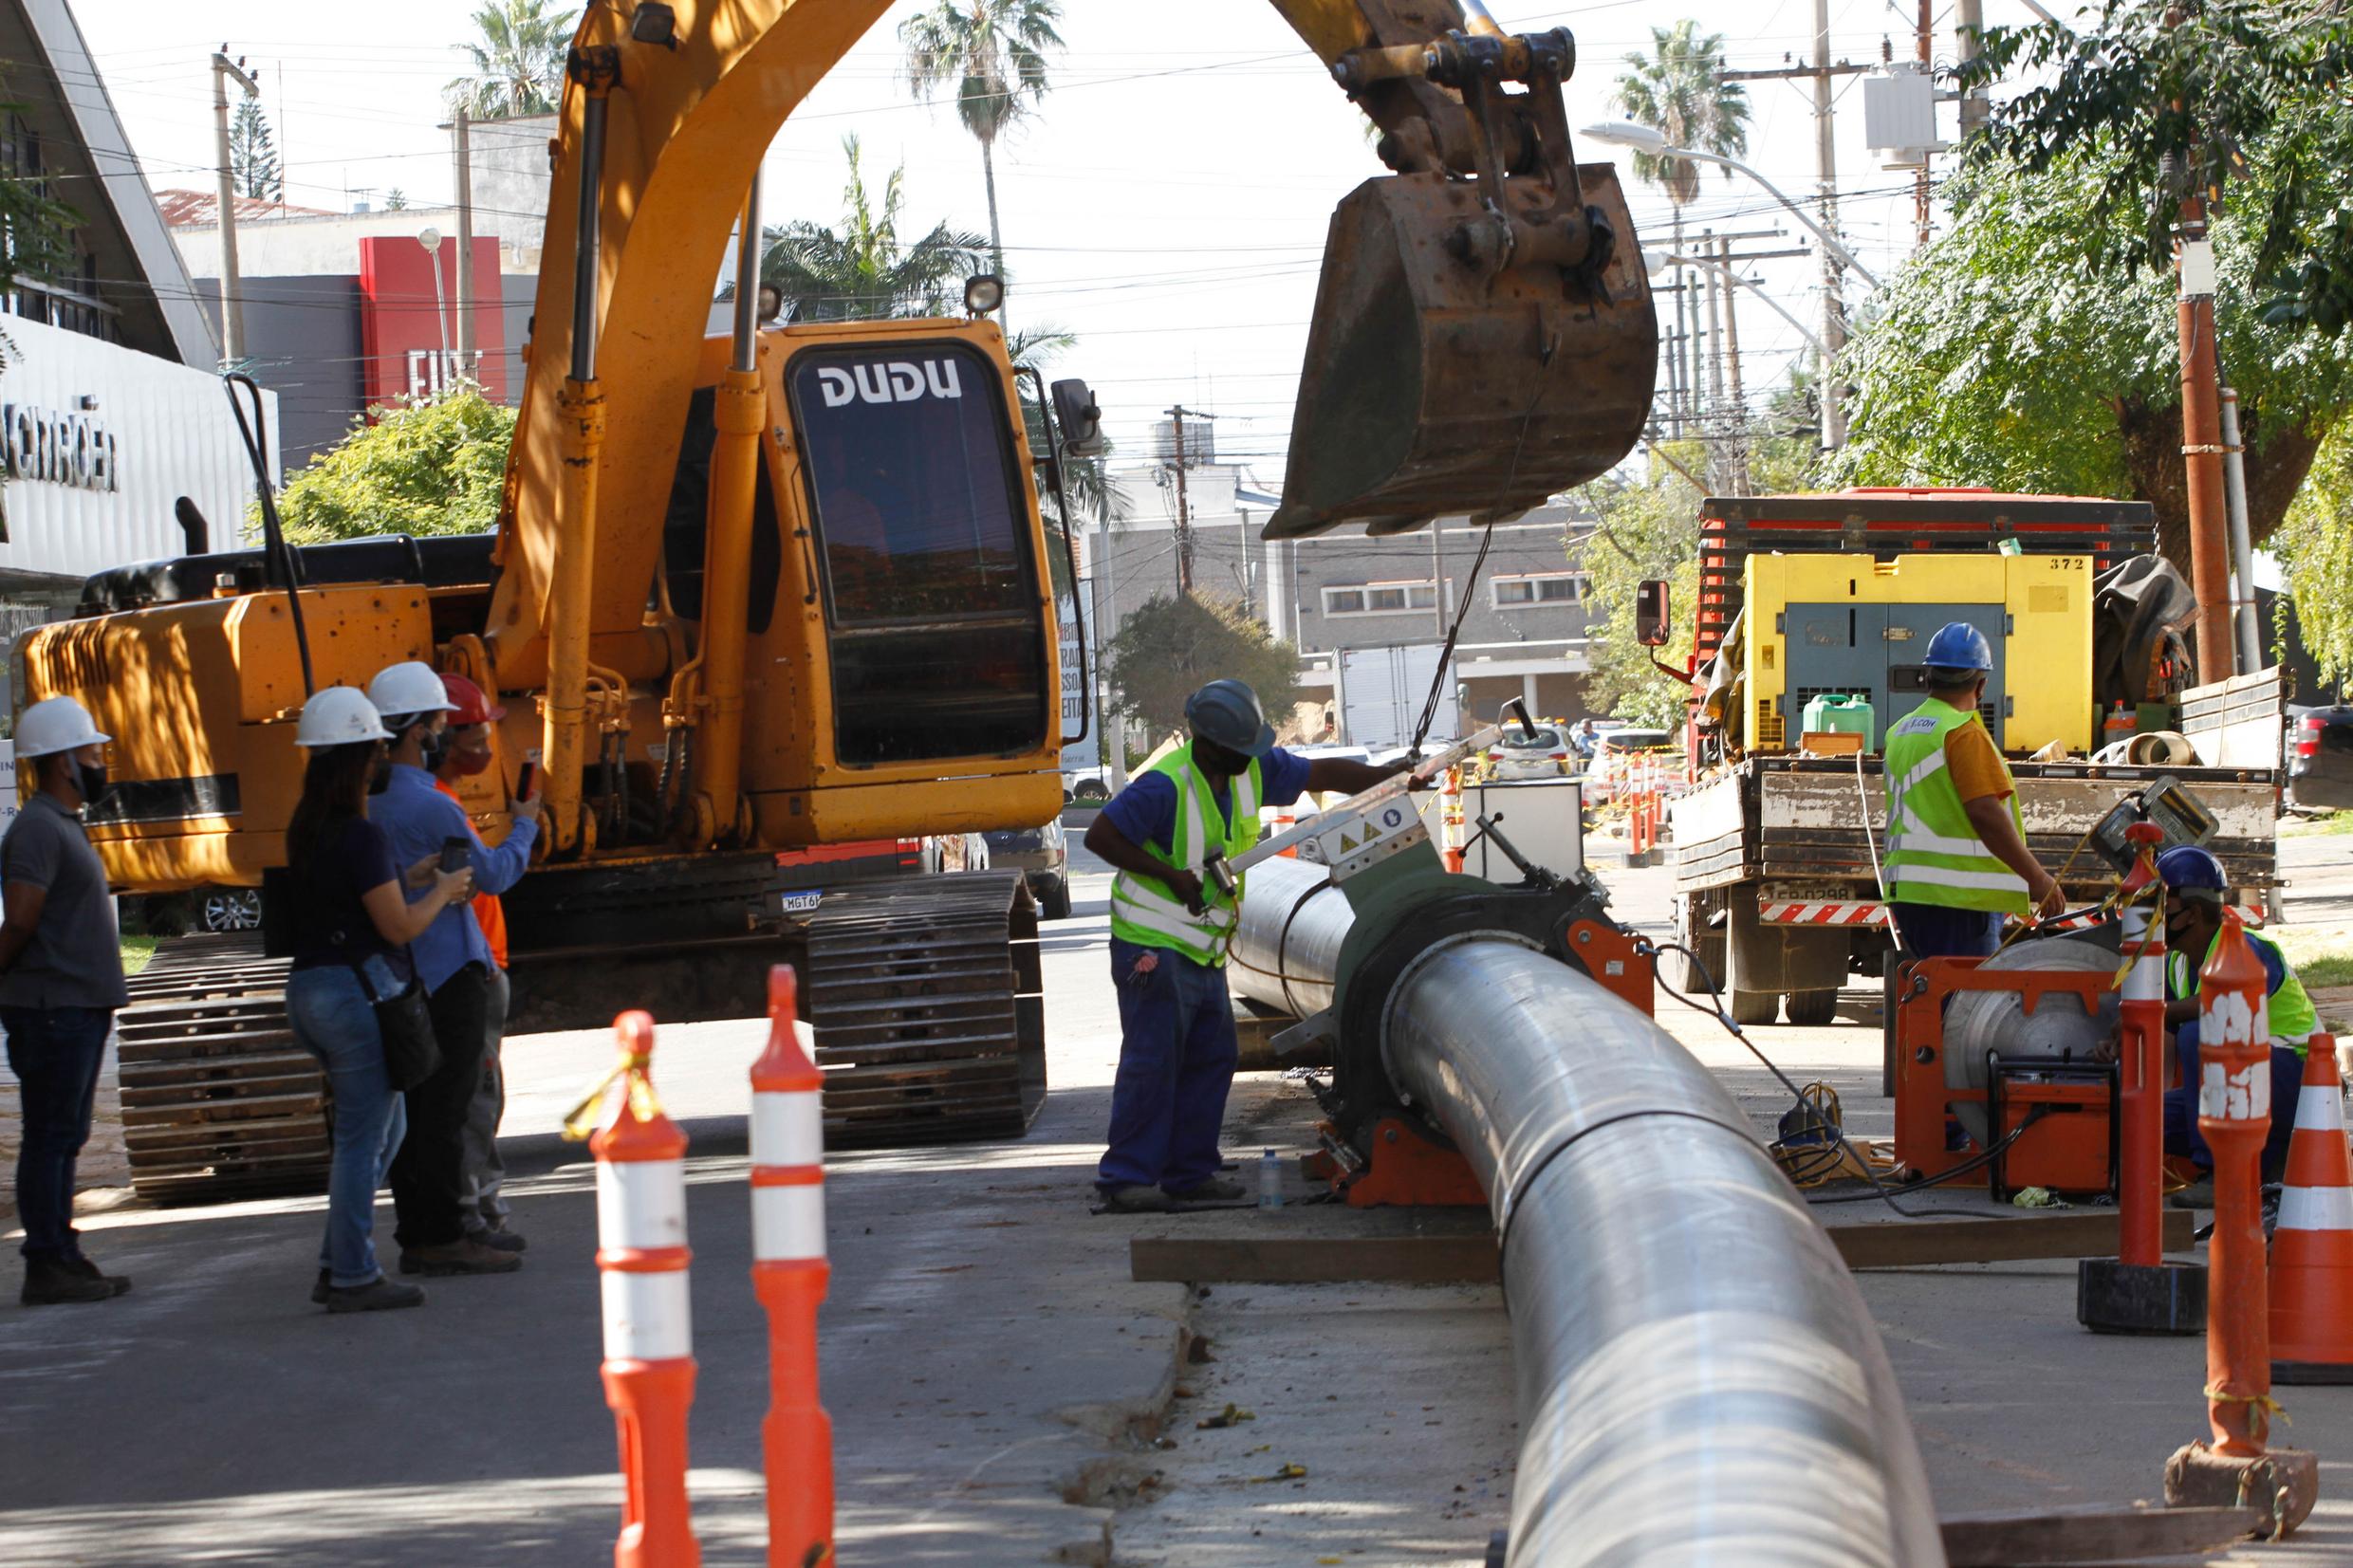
<point>1089,785</point>
<point>1042,856</point>
<point>2320,759</point>
<point>1517,754</point>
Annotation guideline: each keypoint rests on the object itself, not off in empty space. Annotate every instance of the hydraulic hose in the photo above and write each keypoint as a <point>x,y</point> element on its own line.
<point>1699,1378</point>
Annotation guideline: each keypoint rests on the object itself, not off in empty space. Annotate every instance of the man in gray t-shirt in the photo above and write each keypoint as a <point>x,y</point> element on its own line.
<point>61,980</point>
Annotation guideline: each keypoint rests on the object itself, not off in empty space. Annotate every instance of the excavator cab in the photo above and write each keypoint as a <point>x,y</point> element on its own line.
<point>1483,336</point>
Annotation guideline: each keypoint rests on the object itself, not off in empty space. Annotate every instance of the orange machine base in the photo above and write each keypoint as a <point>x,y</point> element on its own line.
<point>1406,1170</point>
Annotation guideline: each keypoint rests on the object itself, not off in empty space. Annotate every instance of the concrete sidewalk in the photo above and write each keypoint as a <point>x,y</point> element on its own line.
<point>984,1353</point>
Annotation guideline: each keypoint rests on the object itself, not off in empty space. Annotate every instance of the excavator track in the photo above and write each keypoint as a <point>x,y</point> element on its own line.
<point>218,1101</point>
<point>928,1004</point>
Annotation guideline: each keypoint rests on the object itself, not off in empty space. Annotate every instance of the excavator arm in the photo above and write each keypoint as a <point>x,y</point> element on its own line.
<point>1516,363</point>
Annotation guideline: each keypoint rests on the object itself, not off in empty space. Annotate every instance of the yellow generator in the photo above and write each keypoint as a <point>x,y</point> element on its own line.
<point>1855,626</point>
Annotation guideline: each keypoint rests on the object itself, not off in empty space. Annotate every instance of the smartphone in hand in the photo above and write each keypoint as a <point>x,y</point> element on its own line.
<point>456,854</point>
<point>527,782</point>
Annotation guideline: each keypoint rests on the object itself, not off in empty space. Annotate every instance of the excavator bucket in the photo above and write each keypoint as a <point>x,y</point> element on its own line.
<point>1443,379</point>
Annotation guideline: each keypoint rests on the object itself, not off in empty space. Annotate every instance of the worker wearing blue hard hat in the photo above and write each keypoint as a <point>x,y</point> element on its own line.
<point>1957,859</point>
<point>1195,806</point>
<point>2195,893</point>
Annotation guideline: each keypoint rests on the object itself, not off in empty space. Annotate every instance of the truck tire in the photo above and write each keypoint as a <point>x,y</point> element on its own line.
<point>1756,1006</point>
<point>1813,1009</point>
<point>1055,905</point>
<point>1692,931</point>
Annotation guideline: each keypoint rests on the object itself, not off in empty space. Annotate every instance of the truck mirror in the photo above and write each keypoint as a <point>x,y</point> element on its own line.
<point>1080,420</point>
<point>1653,616</point>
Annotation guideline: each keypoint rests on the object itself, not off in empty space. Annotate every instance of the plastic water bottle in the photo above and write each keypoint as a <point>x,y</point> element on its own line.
<point>1269,1181</point>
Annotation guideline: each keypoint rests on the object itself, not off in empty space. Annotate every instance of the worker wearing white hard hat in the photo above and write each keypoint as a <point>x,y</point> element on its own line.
<point>61,980</point>
<point>453,963</point>
<point>355,911</point>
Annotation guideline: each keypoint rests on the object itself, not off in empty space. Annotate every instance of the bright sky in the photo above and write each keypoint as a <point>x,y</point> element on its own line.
<point>1168,204</point>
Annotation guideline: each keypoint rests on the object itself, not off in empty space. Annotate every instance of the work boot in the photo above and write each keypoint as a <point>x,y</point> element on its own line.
<point>1215,1190</point>
<point>499,1239</point>
<point>55,1282</point>
<point>2199,1194</point>
<point>1134,1200</point>
<point>89,1270</point>
<point>383,1295</point>
<point>319,1291</point>
<point>465,1256</point>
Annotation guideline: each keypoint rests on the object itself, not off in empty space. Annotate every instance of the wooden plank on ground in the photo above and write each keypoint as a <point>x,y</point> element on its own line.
<point>2096,1534</point>
<point>1442,1246</point>
<point>1915,1244</point>
<point>1256,1035</point>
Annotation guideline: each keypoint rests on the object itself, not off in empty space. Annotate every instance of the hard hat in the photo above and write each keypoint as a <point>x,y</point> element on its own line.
<point>411,686</point>
<point>2193,872</point>
<point>1959,645</point>
<point>54,725</point>
<point>340,715</point>
<point>1227,711</point>
<point>469,706</point>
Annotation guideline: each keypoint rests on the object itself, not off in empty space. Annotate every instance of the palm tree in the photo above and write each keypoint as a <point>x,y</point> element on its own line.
<point>1676,89</point>
<point>862,271</point>
<point>518,67</point>
<point>994,51</point>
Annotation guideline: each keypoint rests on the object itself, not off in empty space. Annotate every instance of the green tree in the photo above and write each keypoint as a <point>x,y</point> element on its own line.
<point>994,51</point>
<point>2162,100</point>
<point>1095,496</point>
<point>2003,354</point>
<point>253,167</point>
<point>2314,543</point>
<point>518,61</point>
<point>424,467</point>
<point>1174,644</point>
<point>862,271</point>
<point>395,199</point>
<point>39,230</point>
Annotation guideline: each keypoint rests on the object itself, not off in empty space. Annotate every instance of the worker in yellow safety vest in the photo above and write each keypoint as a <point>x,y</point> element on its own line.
<point>1957,859</point>
<point>1169,933</point>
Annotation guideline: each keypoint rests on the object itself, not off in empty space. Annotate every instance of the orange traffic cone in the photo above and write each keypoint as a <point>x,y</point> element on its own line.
<point>2312,1246</point>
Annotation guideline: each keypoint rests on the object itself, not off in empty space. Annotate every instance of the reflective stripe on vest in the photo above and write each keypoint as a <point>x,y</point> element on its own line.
<point>1934,854</point>
<point>1144,912</point>
<point>2293,1018</point>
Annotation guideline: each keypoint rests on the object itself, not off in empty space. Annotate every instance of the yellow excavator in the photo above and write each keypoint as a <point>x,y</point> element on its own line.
<point>756,597</point>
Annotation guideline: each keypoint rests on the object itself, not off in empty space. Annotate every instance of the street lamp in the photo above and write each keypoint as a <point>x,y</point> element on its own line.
<point>1656,262</point>
<point>430,239</point>
<point>1643,139</point>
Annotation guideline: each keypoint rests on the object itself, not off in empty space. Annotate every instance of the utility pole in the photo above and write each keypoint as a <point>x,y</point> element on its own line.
<point>2201,442</point>
<point>1921,201</point>
<point>467,368</point>
<point>1184,509</point>
<point>231,288</point>
<point>1718,463</point>
<point>1826,153</point>
<point>1969,26</point>
<point>1438,577</point>
<point>1731,353</point>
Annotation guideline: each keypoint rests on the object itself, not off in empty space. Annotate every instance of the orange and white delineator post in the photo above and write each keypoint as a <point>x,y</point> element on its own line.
<point>2313,1244</point>
<point>2138,1291</point>
<point>789,1274</point>
<point>649,1334</point>
<point>1452,824</point>
<point>2235,1114</point>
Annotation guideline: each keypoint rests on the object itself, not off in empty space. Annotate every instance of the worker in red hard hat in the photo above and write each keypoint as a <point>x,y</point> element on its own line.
<point>473,752</point>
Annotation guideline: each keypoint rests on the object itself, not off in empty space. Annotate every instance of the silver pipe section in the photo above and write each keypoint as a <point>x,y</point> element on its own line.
<point>1699,1378</point>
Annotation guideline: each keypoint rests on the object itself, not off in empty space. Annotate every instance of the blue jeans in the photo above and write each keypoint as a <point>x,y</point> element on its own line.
<point>334,1022</point>
<point>55,1053</point>
<point>2181,1134</point>
<point>1177,1057</point>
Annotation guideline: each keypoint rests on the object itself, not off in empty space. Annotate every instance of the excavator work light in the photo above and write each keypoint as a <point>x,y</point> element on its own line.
<point>983,294</point>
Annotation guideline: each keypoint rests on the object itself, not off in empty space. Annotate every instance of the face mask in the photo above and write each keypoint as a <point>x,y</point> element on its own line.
<point>93,782</point>
<point>379,774</point>
<point>472,762</point>
<point>434,745</point>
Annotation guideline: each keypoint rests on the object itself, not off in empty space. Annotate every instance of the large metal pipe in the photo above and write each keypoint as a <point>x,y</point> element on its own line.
<point>1699,1378</point>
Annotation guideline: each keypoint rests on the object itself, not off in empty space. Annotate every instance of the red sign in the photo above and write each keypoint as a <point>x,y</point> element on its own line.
<point>408,325</point>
